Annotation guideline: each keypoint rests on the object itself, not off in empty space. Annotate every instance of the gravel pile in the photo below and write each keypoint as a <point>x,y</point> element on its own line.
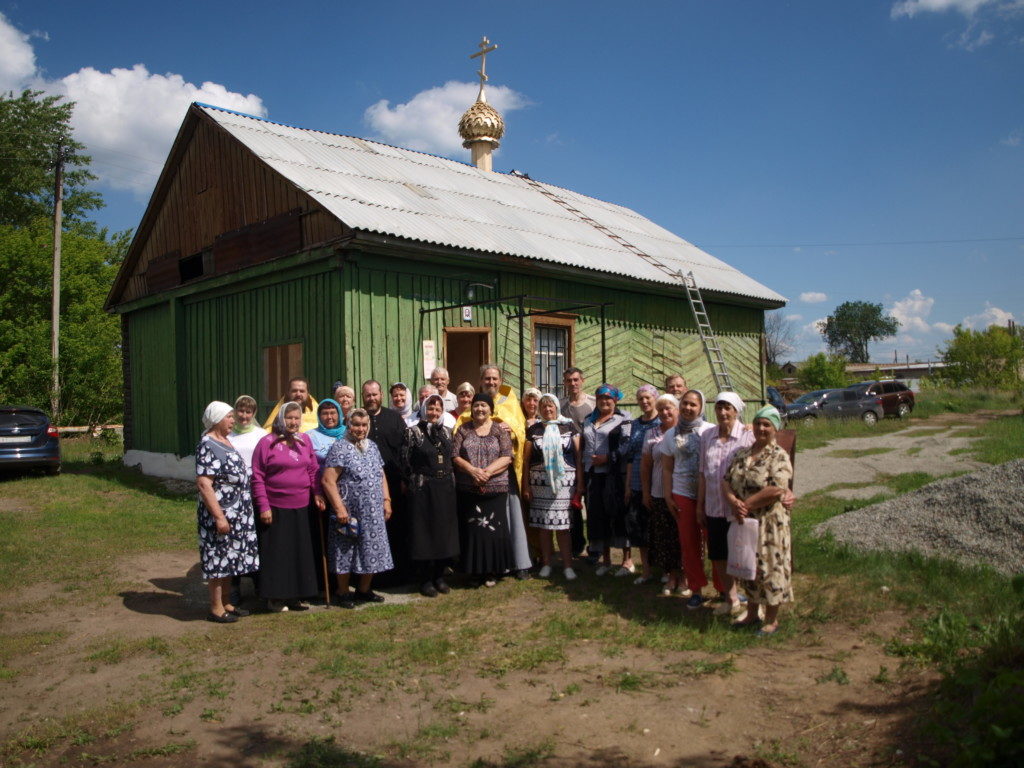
<point>976,518</point>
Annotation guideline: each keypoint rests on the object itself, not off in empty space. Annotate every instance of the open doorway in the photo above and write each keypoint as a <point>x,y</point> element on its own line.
<point>465,350</point>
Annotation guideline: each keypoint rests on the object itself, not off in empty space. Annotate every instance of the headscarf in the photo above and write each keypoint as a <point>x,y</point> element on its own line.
<point>357,413</point>
<point>605,390</point>
<point>682,429</point>
<point>238,429</point>
<point>334,432</point>
<point>465,387</point>
<point>215,413</point>
<point>405,412</point>
<point>423,412</point>
<point>771,413</point>
<point>531,391</point>
<point>483,397</point>
<point>554,461</point>
<point>732,399</point>
<point>279,428</point>
<point>649,389</point>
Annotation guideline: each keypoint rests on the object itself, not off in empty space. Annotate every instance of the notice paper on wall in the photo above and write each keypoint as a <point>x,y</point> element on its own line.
<point>429,357</point>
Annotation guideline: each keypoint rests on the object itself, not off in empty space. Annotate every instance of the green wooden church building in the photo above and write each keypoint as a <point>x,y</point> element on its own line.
<point>269,251</point>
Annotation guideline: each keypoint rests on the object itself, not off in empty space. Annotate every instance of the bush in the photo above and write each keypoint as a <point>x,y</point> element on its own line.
<point>823,371</point>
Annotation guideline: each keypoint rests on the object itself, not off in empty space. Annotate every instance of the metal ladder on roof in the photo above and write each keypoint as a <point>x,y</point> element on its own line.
<point>719,370</point>
<point>677,275</point>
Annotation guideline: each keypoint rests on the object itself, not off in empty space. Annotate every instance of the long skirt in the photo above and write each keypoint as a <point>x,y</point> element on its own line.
<point>517,533</point>
<point>774,582</point>
<point>637,520</point>
<point>664,544</point>
<point>289,554</point>
<point>433,520</point>
<point>551,508</point>
<point>486,541</point>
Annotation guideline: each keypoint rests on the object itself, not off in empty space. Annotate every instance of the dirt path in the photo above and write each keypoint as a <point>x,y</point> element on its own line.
<point>927,446</point>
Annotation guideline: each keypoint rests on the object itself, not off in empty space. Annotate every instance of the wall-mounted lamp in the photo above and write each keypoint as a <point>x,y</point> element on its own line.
<point>471,289</point>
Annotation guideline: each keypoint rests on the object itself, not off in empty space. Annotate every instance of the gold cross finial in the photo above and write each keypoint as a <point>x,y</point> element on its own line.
<point>485,48</point>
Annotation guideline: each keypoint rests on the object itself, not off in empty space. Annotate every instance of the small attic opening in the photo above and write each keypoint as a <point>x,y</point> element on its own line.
<point>193,267</point>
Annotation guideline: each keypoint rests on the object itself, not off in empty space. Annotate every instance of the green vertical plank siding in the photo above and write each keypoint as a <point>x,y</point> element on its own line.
<point>154,388</point>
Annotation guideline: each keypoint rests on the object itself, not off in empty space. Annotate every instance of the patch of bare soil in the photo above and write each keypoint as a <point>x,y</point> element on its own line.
<point>812,698</point>
<point>918,448</point>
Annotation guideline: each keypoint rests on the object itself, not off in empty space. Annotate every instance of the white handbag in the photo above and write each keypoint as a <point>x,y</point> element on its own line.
<point>742,539</point>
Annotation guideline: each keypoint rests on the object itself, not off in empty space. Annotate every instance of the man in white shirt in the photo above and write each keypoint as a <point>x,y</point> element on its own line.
<point>440,379</point>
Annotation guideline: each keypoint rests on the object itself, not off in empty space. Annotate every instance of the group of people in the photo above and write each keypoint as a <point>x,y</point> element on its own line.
<point>481,482</point>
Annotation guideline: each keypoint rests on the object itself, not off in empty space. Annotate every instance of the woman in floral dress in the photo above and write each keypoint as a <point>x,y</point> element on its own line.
<point>755,484</point>
<point>482,454</point>
<point>355,487</point>
<point>227,529</point>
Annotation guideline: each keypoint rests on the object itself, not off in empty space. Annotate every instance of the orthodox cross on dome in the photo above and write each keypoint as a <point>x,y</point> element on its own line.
<point>485,48</point>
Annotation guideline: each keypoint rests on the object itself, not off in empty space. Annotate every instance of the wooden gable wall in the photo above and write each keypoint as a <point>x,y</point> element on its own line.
<point>222,201</point>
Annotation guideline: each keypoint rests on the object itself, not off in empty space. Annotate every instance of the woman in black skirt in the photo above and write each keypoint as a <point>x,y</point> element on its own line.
<point>430,487</point>
<point>482,454</point>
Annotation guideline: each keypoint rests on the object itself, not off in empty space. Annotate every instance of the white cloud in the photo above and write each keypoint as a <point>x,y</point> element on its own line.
<point>428,122</point>
<point>814,327</point>
<point>17,57</point>
<point>912,311</point>
<point>813,297</point>
<point>1013,139</point>
<point>943,327</point>
<point>989,316</point>
<point>970,41</point>
<point>911,8</point>
<point>794,318</point>
<point>127,118</point>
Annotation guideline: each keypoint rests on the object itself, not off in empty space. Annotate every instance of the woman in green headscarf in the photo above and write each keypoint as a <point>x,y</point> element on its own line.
<point>754,485</point>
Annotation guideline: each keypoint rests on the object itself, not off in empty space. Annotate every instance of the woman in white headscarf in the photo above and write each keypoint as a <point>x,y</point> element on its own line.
<point>227,530</point>
<point>553,478</point>
<point>717,448</point>
<point>402,401</point>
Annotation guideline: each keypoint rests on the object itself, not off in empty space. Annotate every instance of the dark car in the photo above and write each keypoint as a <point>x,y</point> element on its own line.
<point>809,405</point>
<point>28,440</point>
<point>872,400</point>
<point>774,397</point>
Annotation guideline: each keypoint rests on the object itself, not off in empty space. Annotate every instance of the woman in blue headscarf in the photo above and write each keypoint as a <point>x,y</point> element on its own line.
<point>755,485</point>
<point>330,427</point>
<point>602,434</point>
<point>553,478</point>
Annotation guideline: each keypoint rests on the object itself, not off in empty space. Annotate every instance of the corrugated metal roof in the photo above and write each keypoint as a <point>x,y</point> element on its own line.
<point>398,192</point>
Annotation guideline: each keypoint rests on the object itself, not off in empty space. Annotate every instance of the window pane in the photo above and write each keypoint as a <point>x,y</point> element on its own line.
<point>550,351</point>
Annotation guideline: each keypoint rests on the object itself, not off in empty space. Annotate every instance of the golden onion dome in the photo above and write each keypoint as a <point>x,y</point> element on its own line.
<point>481,122</point>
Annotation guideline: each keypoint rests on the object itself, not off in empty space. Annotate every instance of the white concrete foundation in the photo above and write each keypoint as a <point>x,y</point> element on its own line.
<point>162,464</point>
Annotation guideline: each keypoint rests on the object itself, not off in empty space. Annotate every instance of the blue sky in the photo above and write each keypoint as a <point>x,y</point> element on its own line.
<point>832,150</point>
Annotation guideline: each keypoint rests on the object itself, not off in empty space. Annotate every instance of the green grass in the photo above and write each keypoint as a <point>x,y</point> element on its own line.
<point>94,515</point>
<point>1001,440</point>
<point>933,401</point>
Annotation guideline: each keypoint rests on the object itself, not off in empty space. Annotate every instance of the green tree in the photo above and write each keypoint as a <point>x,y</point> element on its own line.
<point>991,358</point>
<point>854,324</point>
<point>90,339</point>
<point>822,371</point>
<point>34,131</point>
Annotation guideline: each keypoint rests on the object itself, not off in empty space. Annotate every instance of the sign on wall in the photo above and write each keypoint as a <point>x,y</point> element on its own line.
<point>429,357</point>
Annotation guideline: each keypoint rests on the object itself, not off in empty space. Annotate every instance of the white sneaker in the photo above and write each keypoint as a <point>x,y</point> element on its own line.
<point>545,572</point>
<point>601,570</point>
<point>570,574</point>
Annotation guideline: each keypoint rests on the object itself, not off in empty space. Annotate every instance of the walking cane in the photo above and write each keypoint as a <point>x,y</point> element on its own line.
<point>323,560</point>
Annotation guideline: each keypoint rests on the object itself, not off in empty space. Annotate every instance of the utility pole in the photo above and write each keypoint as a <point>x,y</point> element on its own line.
<point>58,212</point>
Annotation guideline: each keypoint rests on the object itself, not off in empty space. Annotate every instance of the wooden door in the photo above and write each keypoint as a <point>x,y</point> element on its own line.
<point>465,350</point>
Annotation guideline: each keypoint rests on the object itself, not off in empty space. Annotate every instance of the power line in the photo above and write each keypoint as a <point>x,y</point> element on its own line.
<point>867,244</point>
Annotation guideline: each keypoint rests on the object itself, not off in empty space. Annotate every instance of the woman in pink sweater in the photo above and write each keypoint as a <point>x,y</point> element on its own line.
<point>286,497</point>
